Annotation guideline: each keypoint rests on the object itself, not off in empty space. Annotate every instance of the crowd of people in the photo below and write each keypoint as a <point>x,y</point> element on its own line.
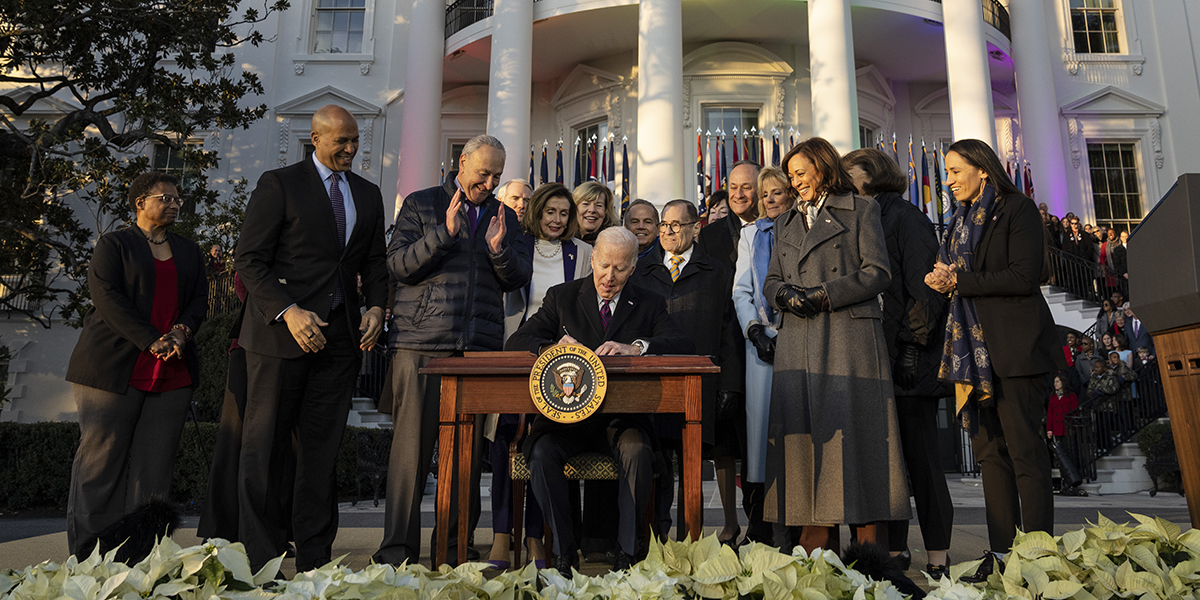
<point>1096,244</point>
<point>837,316</point>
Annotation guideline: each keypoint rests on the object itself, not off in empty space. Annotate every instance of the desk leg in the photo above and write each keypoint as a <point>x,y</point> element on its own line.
<point>445,467</point>
<point>693,509</point>
<point>466,440</point>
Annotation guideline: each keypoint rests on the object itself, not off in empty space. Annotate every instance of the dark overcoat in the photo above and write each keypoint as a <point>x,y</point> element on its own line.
<point>833,447</point>
<point>913,312</point>
<point>696,299</point>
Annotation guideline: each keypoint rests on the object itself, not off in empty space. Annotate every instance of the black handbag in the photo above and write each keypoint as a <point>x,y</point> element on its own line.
<point>1066,467</point>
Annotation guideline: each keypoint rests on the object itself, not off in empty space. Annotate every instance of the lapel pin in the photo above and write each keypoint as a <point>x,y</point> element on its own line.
<point>995,217</point>
<point>827,220</point>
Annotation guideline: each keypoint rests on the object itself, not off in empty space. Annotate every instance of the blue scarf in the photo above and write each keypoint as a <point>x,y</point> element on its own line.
<point>965,358</point>
<point>764,241</point>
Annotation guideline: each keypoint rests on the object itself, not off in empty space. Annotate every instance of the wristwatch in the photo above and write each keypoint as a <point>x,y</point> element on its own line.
<point>641,345</point>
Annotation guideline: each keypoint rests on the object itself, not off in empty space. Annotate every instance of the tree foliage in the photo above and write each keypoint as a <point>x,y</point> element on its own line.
<point>122,76</point>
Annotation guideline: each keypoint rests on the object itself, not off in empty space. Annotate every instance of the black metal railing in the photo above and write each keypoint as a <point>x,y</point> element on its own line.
<point>10,298</point>
<point>1102,423</point>
<point>1079,277</point>
<point>464,13</point>
<point>221,295</point>
<point>372,377</point>
<point>996,15</point>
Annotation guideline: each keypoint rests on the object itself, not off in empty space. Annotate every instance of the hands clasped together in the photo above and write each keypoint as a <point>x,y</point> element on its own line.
<point>496,228</point>
<point>170,345</point>
<point>802,302</point>
<point>943,279</point>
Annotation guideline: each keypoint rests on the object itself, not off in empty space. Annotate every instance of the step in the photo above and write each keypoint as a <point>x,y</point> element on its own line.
<point>1115,463</point>
<point>1130,449</point>
<point>1081,306</point>
<point>374,417</point>
<point>362,404</point>
<point>1093,489</point>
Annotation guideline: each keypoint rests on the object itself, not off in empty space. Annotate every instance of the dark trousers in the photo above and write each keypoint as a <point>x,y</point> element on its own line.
<point>1017,490</point>
<point>295,405</point>
<point>635,470</point>
<point>219,514</point>
<point>126,456</point>
<point>502,507</point>
<point>415,403</point>
<point>917,416</point>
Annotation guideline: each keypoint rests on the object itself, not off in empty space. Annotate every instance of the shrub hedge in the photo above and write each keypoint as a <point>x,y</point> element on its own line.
<point>212,344</point>
<point>35,464</point>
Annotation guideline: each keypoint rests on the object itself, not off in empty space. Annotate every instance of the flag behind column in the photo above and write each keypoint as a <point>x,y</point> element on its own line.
<point>531,179</point>
<point>624,175</point>
<point>721,163</point>
<point>578,178</point>
<point>545,174</point>
<point>1028,182</point>
<point>926,192</point>
<point>914,188</point>
<point>939,200</point>
<point>558,163</point>
<point>775,148</point>
<point>700,174</point>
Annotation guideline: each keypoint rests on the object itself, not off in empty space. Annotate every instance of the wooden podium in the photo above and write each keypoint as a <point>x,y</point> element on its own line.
<point>1164,291</point>
<point>498,382</point>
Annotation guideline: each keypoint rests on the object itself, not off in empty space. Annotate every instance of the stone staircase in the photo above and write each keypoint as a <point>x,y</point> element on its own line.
<point>1121,472</point>
<point>1068,310</point>
<point>363,414</point>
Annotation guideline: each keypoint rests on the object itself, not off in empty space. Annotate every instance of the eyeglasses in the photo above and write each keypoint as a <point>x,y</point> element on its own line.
<point>168,199</point>
<point>673,226</point>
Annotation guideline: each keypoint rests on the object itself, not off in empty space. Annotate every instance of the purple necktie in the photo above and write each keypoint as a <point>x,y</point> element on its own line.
<point>605,314</point>
<point>473,217</point>
<point>339,217</point>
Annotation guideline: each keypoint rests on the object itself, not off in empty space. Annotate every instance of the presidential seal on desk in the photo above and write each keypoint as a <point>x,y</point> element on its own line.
<point>568,383</point>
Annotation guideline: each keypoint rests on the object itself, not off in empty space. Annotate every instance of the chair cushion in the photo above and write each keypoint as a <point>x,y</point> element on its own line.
<point>588,465</point>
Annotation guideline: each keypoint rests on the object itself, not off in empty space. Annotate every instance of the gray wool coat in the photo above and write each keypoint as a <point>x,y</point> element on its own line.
<point>833,447</point>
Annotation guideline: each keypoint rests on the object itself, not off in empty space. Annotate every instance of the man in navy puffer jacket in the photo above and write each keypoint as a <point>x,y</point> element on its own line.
<point>453,258</point>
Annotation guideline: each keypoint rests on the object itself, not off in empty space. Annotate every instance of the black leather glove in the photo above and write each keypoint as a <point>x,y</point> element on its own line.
<point>803,303</point>
<point>728,405</point>
<point>763,343</point>
<point>904,373</point>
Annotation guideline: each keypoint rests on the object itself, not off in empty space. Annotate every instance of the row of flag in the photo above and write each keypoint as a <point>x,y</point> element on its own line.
<point>717,153</point>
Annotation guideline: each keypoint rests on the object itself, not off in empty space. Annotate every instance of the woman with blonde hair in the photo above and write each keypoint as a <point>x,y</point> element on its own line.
<point>759,323</point>
<point>596,210</point>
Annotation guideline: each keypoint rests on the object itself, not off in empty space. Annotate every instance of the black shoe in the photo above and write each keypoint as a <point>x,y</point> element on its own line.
<point>563,564</point>
<point>472,554</point>
<point>937,572</point>
<point>990,565</point>
<point>623,562</point>
<point>733,541</point>
<point>905,560</point>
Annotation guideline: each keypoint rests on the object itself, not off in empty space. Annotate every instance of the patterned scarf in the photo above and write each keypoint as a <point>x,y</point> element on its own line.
<point>965,359</point>
<point>764,241</point>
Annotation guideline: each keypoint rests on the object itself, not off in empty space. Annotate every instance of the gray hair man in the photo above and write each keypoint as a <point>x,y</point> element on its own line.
<point>515,194</point>
<point>453,256</point>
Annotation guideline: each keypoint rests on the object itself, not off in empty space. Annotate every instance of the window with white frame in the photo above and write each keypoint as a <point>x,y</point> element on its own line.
<point>1095,26</point>
<point>339,26</point>
<point>170,160</point>
<point>1116,191</point>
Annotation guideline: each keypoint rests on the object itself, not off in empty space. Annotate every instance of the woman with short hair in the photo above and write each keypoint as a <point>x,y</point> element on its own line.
<point>134,367</point>
<point>914,317</point>
<point>596,210</point>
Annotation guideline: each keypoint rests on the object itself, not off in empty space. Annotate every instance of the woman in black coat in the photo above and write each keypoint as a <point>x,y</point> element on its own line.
<point>134,367</point>
<point>1000,341</point>
<point>914,318</point>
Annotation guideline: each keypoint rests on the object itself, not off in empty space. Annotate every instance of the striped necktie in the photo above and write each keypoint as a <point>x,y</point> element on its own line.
<point>339,216</point>
<point>675,262</point>
<point>605,314</point>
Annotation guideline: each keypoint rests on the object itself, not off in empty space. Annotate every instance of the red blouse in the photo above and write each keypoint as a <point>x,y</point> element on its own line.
<point>149,373</point>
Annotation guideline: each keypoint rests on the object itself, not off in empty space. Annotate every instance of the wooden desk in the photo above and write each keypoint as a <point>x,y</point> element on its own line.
<point>498,382</point>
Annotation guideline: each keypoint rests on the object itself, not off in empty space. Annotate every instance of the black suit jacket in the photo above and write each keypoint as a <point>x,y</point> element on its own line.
<point>720,241</point>
<point>696,299</point>
<point>1021,336</point>
<point>574,307</point>
<point>117,328</point>
<point>288,254</point>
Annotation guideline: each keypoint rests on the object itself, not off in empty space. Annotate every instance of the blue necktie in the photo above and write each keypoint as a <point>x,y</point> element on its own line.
<point>605,314</point>
<point>473,217</point>
<point>339,216</point>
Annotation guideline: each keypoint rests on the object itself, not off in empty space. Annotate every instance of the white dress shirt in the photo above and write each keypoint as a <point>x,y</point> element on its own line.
<point>687,256</point>
<point>347,196</point>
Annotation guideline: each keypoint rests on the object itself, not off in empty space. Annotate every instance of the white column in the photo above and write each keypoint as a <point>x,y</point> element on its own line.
<point>1037,104</point>
<point>510,86</point>
<point>659,176</point>
<point>831,63</point>
<point>421,123</point>
<point>967,73</point>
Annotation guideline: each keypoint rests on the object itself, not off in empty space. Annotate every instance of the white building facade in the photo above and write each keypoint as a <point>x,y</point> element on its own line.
<point>1100,98</point>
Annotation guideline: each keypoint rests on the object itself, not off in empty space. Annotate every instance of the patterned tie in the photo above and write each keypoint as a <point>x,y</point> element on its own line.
<point>339,217</point>
<point>675,262</point>
<point>605,314</point>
